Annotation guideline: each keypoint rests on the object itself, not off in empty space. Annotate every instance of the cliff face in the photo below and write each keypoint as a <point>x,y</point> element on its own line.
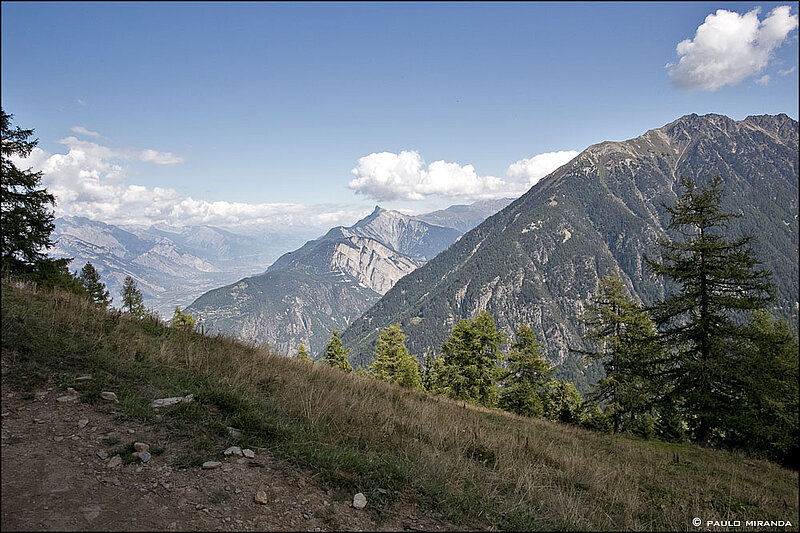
<point>538,261</point>
<point>325,284</point>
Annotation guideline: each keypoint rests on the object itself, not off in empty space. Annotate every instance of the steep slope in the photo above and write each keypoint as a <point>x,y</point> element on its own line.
<point>539,260</point>
<point>325,284</point>
<point>171,266</point>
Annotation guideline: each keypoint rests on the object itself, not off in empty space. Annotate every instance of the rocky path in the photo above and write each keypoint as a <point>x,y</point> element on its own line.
<point>59,473</point>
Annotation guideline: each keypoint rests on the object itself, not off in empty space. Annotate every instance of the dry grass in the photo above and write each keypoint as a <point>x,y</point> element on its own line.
<point>477,467</point>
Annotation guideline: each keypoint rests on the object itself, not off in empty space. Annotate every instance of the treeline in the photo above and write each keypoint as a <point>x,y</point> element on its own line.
<point>706,364</point>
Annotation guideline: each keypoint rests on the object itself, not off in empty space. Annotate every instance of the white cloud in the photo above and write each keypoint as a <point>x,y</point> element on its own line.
<point>90,180</point>
<point>531,170</point>
<point>763,80</point>
<point>84,131</point>
<point>787,71</point>
<point>729,47</point>
<point>405,176</point>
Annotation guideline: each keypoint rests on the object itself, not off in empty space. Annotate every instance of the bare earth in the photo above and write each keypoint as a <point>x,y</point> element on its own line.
<point>53,480</point>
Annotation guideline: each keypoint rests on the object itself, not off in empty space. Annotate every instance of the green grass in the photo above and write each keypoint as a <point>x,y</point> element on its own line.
<point>471,466</point>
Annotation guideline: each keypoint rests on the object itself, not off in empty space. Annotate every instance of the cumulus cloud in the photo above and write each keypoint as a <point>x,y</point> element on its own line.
<point>531,170</point>
<point>84,131</point>
<point>405,176</point>
<point>729,47</point>
<point>90,180</point>
<point>787,71</point>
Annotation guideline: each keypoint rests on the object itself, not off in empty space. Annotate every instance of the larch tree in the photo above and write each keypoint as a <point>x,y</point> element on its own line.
<point>132,298</point>
<point>703,321</point>
<point>336,355</point>
<point>470,360</point>
<point>392,361</point>
<point>527,374</point>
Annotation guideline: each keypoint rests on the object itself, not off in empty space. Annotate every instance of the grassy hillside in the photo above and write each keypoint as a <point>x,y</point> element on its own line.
<point>474,467</point>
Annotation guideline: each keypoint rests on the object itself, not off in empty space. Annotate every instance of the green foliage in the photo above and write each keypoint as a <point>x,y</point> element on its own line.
<point>527,374</point>
<point>336,355</point>
<point>132,298</point>
<point>392,361</point>
<point>55,273</point>
<point>90,280</point>
<point>629,351</point>
<point>25,207</point>
<point>766,372</point>
<point>182,320</point>
<point>302,354</point>
<point>430,371</point>
<point>562,402</point>
<point>470,360</point>
<point>717,283</point>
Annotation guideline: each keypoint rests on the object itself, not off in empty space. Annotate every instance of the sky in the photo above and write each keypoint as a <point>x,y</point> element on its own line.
<point>295,115</point>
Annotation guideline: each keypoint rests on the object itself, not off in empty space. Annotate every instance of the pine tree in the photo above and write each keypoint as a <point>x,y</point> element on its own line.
<point>527,374</point>
<point>336,355</point>
<point>392,361</point>
<point>562,402</point>
<point>470,358</point>
<point>702,321</point>
<point>25,207</point>
<point>90,280</point>
<point>302,354</point>
<point>629,351</point>
<point>182,320</point>
<point>132,298</point>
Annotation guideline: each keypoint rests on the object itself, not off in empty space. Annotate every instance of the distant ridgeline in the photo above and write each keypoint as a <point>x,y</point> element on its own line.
<point>538,261</point>
<point>330,281</point>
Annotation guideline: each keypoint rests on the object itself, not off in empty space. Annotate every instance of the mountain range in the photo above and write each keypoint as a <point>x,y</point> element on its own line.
<point>171,265</point>
<point>538,261</point>
<point>330,281</point>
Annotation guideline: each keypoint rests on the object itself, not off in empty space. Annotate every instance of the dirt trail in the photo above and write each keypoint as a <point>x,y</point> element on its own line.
<point>53,479</point>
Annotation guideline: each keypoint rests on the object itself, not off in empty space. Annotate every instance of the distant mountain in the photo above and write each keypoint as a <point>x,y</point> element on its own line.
<point>538,261</point>
<point>326,283</point>
<point>171,266</point>
<point>465,217</point>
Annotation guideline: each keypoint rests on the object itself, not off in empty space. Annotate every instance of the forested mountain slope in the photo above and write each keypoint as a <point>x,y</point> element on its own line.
<point>539,260</point>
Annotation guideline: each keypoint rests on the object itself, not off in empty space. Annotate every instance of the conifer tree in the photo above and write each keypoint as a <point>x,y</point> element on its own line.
<point>132,298</point>
<point>302,354</point>
<point>562,402</point>
<point>431,372</point>
<point>336,355</point>
<point>96,290</point>
<point>527,374</point>
<point>392,361</point>
<point>629,351</point>
<point>182,320</point>
<point>470,360</point>
<point>718,283</point>
<point>25,207</point>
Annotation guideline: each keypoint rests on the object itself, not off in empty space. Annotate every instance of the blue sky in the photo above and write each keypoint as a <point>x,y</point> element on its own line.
<point>311,113</point>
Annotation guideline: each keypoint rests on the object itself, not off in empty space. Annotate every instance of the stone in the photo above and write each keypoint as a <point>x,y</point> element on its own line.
<point>141,447</point>
<point>114,461</point>
<point>235,433</point>
<point>250,454</point>
<point>67,398</point>
<point>109,396</point>
<point>210,465</point>
<point>359,501</point>
<point>82,423</point>
<point>58,438</point>
<point>90,512</point>
<point>143,456</point>
<point>233,450</point>
<point>85,377</point>
<point>261,497</point>
<point>102,454</point>
<point>163,402</point>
